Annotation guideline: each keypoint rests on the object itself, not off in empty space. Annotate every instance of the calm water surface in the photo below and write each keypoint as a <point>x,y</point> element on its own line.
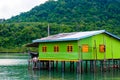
<point>14,67</point>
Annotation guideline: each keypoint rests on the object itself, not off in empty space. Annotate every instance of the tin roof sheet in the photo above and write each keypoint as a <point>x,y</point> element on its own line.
<point>72,36</point>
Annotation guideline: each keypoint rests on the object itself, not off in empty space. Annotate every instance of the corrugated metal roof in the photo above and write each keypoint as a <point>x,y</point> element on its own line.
<point>72,36</point>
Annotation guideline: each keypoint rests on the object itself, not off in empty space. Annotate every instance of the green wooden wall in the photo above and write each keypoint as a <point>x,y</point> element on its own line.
<point>88,55</point>
<point>62,54</point>
<point>112,49</point>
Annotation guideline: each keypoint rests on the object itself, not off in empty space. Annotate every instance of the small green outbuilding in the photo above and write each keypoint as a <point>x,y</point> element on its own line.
<point>75,46</point>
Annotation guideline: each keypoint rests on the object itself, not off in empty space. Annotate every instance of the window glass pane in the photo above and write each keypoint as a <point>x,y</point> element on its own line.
<point>44,49</point>
<point>102,48</point>
<point>85,48</point>
<point>56,49</point>
<point>69,48</point>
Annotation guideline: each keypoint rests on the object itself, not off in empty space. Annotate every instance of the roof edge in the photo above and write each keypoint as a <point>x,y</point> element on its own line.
<point>72,39</point>
<point>69,39</point>
<point>112,35</point>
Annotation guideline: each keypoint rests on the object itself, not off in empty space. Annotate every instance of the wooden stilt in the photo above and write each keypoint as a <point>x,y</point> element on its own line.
<point>29,64</point>
<point>63,66</point>
<point>56,65</point>
<point>104,64</point>
<point>39,64</point>
<point>113,65</point>
<point>53,65</point>
<point>46,65</point>
<point>91,66</point>
<point>70,66</point>
<point>101,66</point>
<point>32,64</point>
<point>112,61</point>
<point>73,66</point>
<point>94,65</point>
<point>119,63</point>
<point>49,65</point>
<point>79,68</point>
<point>86,66</point>
<point>43,63</point>
<point>116,64</point>
<point>82,66</point>
<point>109,65</point>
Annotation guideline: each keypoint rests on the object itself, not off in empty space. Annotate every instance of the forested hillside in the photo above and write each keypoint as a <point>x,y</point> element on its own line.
<point>63,16</point>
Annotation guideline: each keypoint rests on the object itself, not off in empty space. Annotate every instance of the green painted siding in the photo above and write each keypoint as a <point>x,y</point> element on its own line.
<point>62,54</point>
<point>115,49</point>
<point>100,39</point>
<point>112,49</point>
<point>87,55</point>
<point>112,46</point>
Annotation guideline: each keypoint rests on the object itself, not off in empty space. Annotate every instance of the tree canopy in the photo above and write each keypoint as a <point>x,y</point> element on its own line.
<point>63,16</point>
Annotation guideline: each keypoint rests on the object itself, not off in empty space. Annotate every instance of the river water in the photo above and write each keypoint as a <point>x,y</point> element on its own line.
<point>14,67</point>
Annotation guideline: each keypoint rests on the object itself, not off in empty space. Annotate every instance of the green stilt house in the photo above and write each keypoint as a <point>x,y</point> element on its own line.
<point>75,46</point>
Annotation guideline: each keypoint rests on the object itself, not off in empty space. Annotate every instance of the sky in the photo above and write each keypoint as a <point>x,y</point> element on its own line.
<point>9,8</point>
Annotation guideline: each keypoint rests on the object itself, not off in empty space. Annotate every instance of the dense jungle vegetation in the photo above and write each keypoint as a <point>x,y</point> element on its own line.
<point>63,16</point>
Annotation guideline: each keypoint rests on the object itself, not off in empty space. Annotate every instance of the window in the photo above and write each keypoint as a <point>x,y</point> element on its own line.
<point>85,48</point>
<point>44,49</point>
<point>56,49</point>
<point>69,48</point>
<point>102,48</point>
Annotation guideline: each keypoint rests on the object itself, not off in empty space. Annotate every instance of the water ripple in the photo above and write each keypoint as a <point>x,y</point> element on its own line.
<point>5,62</point>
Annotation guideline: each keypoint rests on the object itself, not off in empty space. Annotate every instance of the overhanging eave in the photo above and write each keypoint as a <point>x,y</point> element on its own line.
<point>36,44</point>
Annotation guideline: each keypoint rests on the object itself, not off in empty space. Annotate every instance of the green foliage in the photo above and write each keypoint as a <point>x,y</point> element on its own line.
<point>15,35</point>
<point>63,16</point>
